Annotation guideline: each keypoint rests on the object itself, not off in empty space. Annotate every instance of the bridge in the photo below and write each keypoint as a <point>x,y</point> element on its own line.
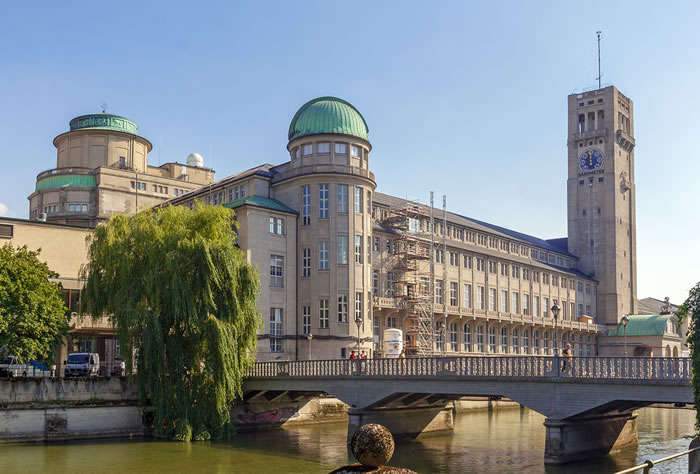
<point>588,402</point>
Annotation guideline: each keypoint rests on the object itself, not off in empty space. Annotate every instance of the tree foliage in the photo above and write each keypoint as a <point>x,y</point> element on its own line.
<point>182,299</point>
<point>691,309</point>
<point>32,310</point>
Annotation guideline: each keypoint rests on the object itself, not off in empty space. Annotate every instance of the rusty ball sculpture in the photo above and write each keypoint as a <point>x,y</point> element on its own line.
<point>372,445</point>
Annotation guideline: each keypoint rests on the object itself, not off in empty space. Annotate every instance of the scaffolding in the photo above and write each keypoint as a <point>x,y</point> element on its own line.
<point>414,273</point>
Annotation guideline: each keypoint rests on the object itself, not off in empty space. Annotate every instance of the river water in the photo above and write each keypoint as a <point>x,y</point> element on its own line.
<point>504,441</point>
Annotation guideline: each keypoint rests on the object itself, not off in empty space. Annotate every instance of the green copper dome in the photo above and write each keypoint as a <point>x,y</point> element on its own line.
<point>328,115</point>
<point>104,122</point>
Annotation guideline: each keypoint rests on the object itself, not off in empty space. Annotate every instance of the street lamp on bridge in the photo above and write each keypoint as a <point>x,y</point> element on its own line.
<point>309,336</point>
<point>358,321</point>
<point>624,322</point>
<point>555,312</point>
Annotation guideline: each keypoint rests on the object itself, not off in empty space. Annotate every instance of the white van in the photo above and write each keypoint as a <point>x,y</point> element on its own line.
<point>11,367</point>
<point>82,364</point>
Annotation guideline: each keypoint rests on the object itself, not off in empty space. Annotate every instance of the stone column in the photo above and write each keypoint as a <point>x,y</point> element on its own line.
<point>403,422</point>
<point>575,439</point>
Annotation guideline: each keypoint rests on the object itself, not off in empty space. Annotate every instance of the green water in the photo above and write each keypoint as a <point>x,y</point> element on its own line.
<point>505,441</point>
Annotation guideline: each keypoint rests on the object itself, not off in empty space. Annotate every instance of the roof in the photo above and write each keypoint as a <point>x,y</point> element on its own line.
<point>261,201</point>
<point>66,180</point>
<point>104,121</point>
<point>328,115</point>
<point>654,306</point>
<point>643,325</point>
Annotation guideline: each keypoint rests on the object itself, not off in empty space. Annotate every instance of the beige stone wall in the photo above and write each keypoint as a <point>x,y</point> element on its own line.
<point>94,148</point>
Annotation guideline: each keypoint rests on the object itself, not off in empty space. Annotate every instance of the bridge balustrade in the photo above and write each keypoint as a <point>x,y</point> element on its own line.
<point>605,368</point>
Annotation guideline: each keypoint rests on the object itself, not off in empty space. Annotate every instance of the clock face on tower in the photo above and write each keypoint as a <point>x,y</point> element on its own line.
<point>591,159</point>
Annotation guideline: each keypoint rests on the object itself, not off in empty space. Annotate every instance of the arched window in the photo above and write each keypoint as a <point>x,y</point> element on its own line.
<point>480,339</point>
<point>515,341</point>
<point>453,337</point>
<point>492,339</point>
<point>504,340</point>
<point>545,344</point>
<point>467,338</point>
<point>526,341</point>
<point>536,342</point>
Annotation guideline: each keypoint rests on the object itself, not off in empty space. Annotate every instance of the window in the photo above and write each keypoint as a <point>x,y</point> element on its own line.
<point>492,299</point>
<point>323,201</point>
<point>504,340</point>
<point>480,264</point>
<point>588,309</point>
<point>535,305</point>
<point>580,309</point>
<point>492,339</point>
<point>526,341</point>
<point>545,343</point>
<point>122,162</point>
<point>515,341</point>
<point>306,205</point>
<point>573,310</point>
<point>307,149</point>
<point>358,200</point>
<point>545,307</point>
<point>306,320</point>
<point>580,286</point>
<point>555,280</point>
<point>526,304</point>
<point>453,294</point>
<point>454,258</point>
<point>341,149</point>
<point>467,337</point>
<point>438,336</point>
<point>277,225</point>
<point>375,282</point>
<point>342,249</point>
<point>536,342</point>
<point>453,337</point>
<point>356,151</point>
<point>526,274</point>
<point>492,267</point>
<point>515,271</point>
<point>342,308</point>
<point>480,338</point>
<point>438,292</point>
<point>504,269</point>
<point>376,244</point>
<point>514,304</point>
<point>468,261</point>
<point>504,301</point>
<point>343,198</point>
<point>306,263</point>
<point>323,255</point>
<point>388,246</point>
<point>276,272</point>
<point>323,148</point>
<point>276,329</point>
<point>545,278</point>
<point>588,288</point>
<point>323,314</point>
<point>272,225</point>
<point>439,256</point>
<point>391,322</point>
<point>358,306</point>
<point>536,276</point>
<point>358,249</point>
<point>480,297</point>
<point>467,295</point>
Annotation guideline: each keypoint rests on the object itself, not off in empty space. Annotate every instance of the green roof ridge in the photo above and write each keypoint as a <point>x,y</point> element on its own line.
<point>642,325</point>
<point>104,121</point>
<point>73,180</point>
<point>261,201</point>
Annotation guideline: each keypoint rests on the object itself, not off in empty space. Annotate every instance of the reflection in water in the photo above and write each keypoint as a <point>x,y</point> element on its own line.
<point>504,441</point>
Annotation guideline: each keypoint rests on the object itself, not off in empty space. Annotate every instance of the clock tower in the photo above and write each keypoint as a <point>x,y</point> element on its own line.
<point>601,198</point>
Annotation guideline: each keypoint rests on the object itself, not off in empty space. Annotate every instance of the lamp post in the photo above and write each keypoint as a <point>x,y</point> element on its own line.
<point>624,322</point>
<point>308,338</point>
<point>555,312</point>
<point>358,321</point>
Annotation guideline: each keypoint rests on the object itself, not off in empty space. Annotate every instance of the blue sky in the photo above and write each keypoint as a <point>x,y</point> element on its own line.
<point>467,99</point>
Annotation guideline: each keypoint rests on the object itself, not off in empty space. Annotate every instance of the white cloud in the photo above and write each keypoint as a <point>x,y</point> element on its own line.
<point>3,209</point>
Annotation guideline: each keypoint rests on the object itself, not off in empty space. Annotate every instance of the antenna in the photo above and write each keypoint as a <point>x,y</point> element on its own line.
<point>104,106</point>
<point>599,74</point>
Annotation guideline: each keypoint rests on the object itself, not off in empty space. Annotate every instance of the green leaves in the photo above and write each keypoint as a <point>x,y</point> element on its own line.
<point>691,308</point>
<point>182,298</point>
<point>32,311</point>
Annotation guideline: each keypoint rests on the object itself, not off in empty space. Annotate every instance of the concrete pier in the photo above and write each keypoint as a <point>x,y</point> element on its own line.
<point>404,422</point>
<point>575,439</point>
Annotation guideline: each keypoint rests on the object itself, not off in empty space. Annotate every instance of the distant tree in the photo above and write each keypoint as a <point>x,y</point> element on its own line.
<point>32,309</point>
<point>691,309</point>
<point>182,299</point>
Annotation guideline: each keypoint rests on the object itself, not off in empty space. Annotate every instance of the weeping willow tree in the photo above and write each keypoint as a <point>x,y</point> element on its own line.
<point>182,299</point>
<point>691,309</point>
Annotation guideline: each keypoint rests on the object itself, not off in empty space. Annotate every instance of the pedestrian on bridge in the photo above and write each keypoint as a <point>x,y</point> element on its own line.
<point>566,354</point>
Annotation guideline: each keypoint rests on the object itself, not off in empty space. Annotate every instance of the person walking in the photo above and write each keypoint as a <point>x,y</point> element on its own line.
<point>353,355</point>
<point>566,354</point>
<point>363,355</point>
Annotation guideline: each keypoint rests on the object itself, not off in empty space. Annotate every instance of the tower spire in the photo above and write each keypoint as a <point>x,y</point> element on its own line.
<point>599,74</point>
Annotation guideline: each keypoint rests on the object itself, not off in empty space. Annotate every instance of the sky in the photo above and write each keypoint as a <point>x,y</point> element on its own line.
<point>466,99</point>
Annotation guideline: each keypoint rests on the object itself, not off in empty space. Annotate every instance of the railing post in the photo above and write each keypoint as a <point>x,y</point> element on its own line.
<point>557,371</point>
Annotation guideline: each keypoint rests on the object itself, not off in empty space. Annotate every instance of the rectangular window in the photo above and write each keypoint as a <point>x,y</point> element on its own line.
<point>391,322</point>
<point>580,286</point>
<point>580,309</point>
<point>306,263</point>
<point>515,303</point>
<point>504,269</point>
<point>376,244</point>
<point>480,338</point>
<point>545,307</point>
<point>588,288</point>
<point>468,261</point>
<point>307,149</point>
<point>306,205</point>
<point>467,338</point>
<point>341,149</point>
<point>492,339</point>
<point>480,297</point>
<point>492,267</point>
<point>306,320</point>
<point>276,271</point>
<point>375,282</point>
<point>515,271</point>
<point>453,337</point>
<point>492,299</point>
<point>439,292</point>
<point>453,293</point>
<point>504,301</point>
<point>356,151</point>
<point>480,264</point>
<point>526,274</point>
<point>122,162</point>
<point>504,340</point>
<point>276,329</point>
<point>343,249</point>
<point>323,148</point>
<point>272,225</point>
<point>243,191</point>
<point>323,314</point>
<point>526,304</point>
<point>280,225</point>
<point>358,249</point>
<point>515,341</point>
<point>358,306</point>
<point>342,308</point>
<point>323,255</point>
<point>323,201</point>
<point>439,256</point>
<point>358,200</point>
<point>588,309</point>
<point>535,305</point>
<point>454,258</point>
<point>467,295</point>
<point>573,310</point>
<point>343,198</point>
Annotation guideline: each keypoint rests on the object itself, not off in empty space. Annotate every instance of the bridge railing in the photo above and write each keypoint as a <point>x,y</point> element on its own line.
<point>607,368</point>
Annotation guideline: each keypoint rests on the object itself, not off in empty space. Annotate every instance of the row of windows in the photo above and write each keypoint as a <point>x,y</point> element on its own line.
<point>342,241</point>
<point>323,201</point>
<point>72,207</point>
<point>325,148</point>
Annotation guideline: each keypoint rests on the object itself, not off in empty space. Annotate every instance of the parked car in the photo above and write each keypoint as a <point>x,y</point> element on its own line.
<point>11,367</point>
<point>82,364</point>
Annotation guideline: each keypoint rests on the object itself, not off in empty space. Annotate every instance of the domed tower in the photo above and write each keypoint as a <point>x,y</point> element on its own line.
<point>329,182</point>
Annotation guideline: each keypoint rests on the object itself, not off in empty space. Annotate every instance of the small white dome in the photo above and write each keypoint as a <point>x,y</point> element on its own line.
<point>195,159</point>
